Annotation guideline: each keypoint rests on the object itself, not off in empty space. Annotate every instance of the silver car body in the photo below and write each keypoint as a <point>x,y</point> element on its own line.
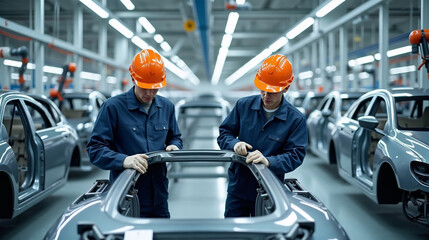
<point>282,210</point>
<point>322,121</point>
<point>382,147</point>
<point>81,110</point>
<point>36,153</point>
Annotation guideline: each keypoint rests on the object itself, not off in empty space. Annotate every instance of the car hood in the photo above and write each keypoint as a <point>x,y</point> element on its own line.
<point>422,136</point>
<point>417,141</point>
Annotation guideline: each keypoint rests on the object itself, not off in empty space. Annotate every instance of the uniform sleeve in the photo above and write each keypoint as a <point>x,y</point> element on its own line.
<point>294,150</point>
<point>229,130</point>
<point>174,136</point>
<point>100,147</point>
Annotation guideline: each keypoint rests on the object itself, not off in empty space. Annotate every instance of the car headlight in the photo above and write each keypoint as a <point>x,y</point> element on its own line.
<point>421,171</point>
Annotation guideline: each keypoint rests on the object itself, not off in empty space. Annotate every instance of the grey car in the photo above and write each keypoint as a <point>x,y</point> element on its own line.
<point>382,147</point>
<point>322,121</point>
<point>36,153</point>
<point>283,210</point>
<point>81,110</point>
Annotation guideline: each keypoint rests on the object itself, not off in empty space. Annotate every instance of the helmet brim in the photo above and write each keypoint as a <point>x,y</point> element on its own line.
<point>151,85</point>
<point>268,88</point>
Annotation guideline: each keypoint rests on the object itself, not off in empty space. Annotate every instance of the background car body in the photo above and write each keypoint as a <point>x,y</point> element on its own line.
<point>81,110</point>
<point>36,153</point>
<point>281,209</point>
<point>382,146</point>
<point>322,121</point>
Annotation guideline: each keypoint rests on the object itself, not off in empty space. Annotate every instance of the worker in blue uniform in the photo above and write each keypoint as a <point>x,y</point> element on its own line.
<point>266,129</point>
<point>134,123</point>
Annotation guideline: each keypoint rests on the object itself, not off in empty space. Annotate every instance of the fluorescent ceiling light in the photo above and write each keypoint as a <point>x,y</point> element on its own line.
<point>54,70</point>
<point>399,51</point>
<point>220,61</point>
<point>128,4</point>
<point>90,76</point>
<point>175,58</point>
<point>12,63</point>
<point>246,67</point>
<point>240,2</point>
<point>95,8</point>
<point>139,42</point>
<point>361,61</point>
<point>300,28</point>
<point>165,46</point>
<point>226,40</point>
<point>173,68</point>
<point>363,75</point>
<point>120,28</point>
<point>158,38</point>
<point>328,8</point>
<point>278,44</point>
<point>405,69</point>
<point>305,75</point>
<point>146,24</point>
<point>232,22</point>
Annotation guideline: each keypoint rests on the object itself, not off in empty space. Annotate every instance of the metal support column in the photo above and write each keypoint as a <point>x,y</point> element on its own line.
<point>295,68</point>
<point>313,64</point>
<point>383,76</point>
<point>343,58</point>
<point>322,61</point>
<point>102,50</point>
<point>78,43</point>
<point>121,47</point>
<point>39,47</point>
<point>424,10</point>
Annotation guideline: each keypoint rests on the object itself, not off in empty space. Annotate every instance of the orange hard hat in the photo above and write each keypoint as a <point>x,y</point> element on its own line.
<point>275,74</point>
<point>147,69</point>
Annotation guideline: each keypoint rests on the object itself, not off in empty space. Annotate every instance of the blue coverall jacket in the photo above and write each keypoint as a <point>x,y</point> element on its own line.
<point>123,128</point>
<point>282,140</point>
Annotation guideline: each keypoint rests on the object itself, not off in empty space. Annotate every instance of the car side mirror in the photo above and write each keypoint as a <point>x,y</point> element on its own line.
<point>369,122</point>
<point>326,113</point>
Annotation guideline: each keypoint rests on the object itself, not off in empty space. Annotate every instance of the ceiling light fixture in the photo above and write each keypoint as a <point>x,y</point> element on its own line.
<point>165,46</point>
<point>128,4</point>
<point>226,40</point>
<point>278,44</point>
<point>232,22</point>
<point>246,67</point>
<point>158,38</point>
<point>220,61</point>
<point>146,24</point>
<point>95,8</point>
<point>121,28</point>
<point>405,69</point>
<point>139,42</point>
<point>300,28</point>
<point>328,8</point>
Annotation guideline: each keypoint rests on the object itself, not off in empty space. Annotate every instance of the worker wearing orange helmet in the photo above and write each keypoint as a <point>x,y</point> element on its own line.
<point>266,129</point>
<point>134,123</point>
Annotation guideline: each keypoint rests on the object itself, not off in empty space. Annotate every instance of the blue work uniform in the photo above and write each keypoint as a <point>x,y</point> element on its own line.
<point>123,128</point>
<point>282,139</point>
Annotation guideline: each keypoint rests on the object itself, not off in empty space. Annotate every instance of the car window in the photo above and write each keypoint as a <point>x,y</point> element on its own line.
<point>55,115</point>
<point>412,113</point>
<point>361,109</point>
<point>332,107</point>
<point>323,103</point>
<point>40,119</point>
<point>379,111</point>
<point>346,103</point>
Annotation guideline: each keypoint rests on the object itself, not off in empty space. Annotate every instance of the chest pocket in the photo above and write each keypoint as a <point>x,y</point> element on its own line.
<point>275,139</point>
<point>161,128</point>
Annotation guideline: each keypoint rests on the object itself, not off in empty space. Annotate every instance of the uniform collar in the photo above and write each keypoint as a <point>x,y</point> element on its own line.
<point>280,113</point>
<point>133,103</point>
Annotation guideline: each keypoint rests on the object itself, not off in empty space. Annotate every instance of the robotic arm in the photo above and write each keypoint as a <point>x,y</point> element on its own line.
<point>69,68</point>
<point>417,38</point>
<point>21,51</point>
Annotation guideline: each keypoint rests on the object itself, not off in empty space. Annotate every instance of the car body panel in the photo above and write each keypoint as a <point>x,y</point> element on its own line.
<point>36,153</point>
<point>280,210</point>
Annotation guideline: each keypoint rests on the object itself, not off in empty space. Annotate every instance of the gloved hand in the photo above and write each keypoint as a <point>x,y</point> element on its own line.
<point>241,148</point>
<point>171,148</point>
<point>257,157</point>
<point>137,162</point>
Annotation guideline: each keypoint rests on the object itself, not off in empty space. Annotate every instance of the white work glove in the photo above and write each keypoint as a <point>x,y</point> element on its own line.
<point>257,157</point>
<point>137,162</point>
<point>171,148</point>
<point>241,148</point>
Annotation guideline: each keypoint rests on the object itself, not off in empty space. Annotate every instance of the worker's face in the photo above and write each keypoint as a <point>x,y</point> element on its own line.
<point>145,95</point>
<point>272,100</point>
